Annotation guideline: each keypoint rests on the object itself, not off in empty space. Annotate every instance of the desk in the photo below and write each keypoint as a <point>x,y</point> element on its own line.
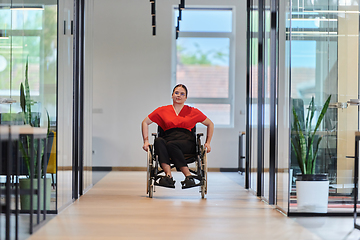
<point>12,134</point>
<point>9,134</point>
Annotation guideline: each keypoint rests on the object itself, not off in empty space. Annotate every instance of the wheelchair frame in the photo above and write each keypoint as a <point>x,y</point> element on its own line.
<point>154,172</point>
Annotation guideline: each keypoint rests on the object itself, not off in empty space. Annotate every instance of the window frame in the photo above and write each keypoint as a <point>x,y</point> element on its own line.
<point>229,35</point>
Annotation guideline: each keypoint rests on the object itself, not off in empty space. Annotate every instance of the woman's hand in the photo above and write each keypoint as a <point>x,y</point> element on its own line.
<point>145,132</point>
<point>209,133</point>
<point>146,145</point>
<point>207,147</point>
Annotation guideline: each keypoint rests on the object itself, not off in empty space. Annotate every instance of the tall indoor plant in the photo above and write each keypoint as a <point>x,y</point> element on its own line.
<point>311,188</point>
<point>26,147</point>
<point>34,121</point>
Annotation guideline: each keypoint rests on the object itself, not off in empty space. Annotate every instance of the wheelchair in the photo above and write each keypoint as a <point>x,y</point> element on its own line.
<point>198,158</point>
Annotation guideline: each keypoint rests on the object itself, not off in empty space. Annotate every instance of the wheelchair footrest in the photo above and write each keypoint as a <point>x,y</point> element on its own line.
<point>165,181</point>
<point>189,182</point>
<point>196,185</point>
<point>163,186</point>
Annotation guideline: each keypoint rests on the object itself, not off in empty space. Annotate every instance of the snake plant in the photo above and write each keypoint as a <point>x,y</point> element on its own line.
<point>34,121</point>
<point>303,137</point>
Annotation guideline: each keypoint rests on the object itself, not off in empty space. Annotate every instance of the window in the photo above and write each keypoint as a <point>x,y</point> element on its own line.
<point>203,61</point>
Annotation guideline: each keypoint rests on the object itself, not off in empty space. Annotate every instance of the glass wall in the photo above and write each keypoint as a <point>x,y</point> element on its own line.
<point>28,47</point>
<point>317,58</point>
<point>262,85</point>
<point>324,39</point>
<point>253,98</point>
<point>283,174</point>
<point>28,99</point>
<point>266,103</point>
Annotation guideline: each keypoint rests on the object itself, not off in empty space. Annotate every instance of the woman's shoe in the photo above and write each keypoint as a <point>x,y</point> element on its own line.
<point>167,181</point>
<point>188,182</point>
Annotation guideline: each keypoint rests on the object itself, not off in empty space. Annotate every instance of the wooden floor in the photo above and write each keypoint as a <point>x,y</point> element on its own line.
<point>118,208</point>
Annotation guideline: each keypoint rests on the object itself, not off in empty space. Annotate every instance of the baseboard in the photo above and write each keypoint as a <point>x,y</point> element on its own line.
<point>229,169</point>
<point>129,168</point>
<point>108,169</point>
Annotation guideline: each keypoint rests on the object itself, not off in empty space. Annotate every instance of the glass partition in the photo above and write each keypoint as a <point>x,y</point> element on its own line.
<point>28,58</point>
<point>266,104</point>
<point>324,40</point>
<point>253,120</point>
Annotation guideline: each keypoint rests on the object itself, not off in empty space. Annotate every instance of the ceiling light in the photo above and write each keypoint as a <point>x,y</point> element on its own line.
<point>27,8</point>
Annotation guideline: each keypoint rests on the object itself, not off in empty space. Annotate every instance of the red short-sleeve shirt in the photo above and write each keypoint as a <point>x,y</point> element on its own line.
<point>166,117</point>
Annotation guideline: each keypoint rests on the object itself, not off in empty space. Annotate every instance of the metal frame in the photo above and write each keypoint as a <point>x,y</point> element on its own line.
<point>356,178</point>
<point>248,92</point>
<point>274,40</point>
<point>274,54</point>
<point>78,83</point>
<point>260,106</point>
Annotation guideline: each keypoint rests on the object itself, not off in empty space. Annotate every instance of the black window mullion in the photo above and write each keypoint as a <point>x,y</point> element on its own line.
<point>273,96</point>
<point>248,92</point>
<point>261,93</point>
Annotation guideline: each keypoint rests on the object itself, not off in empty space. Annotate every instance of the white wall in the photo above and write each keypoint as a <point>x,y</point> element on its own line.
<point>88,93</point>
<point>132,76</point>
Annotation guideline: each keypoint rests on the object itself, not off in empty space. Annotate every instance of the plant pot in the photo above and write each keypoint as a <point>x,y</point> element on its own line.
<point>312,193</point>
<point>25,198</point>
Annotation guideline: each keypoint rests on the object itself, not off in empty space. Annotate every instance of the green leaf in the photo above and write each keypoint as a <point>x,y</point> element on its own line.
<point>27,93</point>
<point>303,141</point>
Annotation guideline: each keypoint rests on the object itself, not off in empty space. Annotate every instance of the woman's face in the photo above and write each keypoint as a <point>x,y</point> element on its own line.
<point>179,95</point>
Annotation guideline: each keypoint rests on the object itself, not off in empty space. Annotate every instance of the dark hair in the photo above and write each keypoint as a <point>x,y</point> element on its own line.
<point>181,85</point>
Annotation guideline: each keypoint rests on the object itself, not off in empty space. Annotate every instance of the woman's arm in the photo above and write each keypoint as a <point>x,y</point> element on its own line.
<point>210,130</point>
<point>145,132</point>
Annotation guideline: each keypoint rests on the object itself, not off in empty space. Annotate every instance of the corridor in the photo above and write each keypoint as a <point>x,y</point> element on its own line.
<point>118,208</point>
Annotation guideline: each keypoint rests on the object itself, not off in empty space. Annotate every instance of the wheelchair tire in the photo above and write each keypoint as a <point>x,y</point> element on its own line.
<point>205,171</point>
<point>203,188</point>
<point>149,169</point>
<point>203,191</point>
<point>151,191</point>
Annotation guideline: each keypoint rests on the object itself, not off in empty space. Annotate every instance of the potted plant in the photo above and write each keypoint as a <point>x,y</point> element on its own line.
<point>312,189</point>
<point>25,147</point>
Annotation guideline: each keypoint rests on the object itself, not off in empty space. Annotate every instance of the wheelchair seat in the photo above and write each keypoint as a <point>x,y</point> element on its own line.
<point>189,157</point>
<point>154,172</point>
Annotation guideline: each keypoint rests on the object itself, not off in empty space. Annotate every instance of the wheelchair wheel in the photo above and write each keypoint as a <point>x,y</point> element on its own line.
<point>149,185</point>
<point>204,167</point>
<point>151,191</point>
<point>203,191</point>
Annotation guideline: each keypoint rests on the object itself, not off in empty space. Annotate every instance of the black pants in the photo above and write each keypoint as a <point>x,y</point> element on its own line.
<point>173,145</point>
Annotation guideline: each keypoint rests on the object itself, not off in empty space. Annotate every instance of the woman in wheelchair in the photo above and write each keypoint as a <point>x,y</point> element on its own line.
<point>177,121</point>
